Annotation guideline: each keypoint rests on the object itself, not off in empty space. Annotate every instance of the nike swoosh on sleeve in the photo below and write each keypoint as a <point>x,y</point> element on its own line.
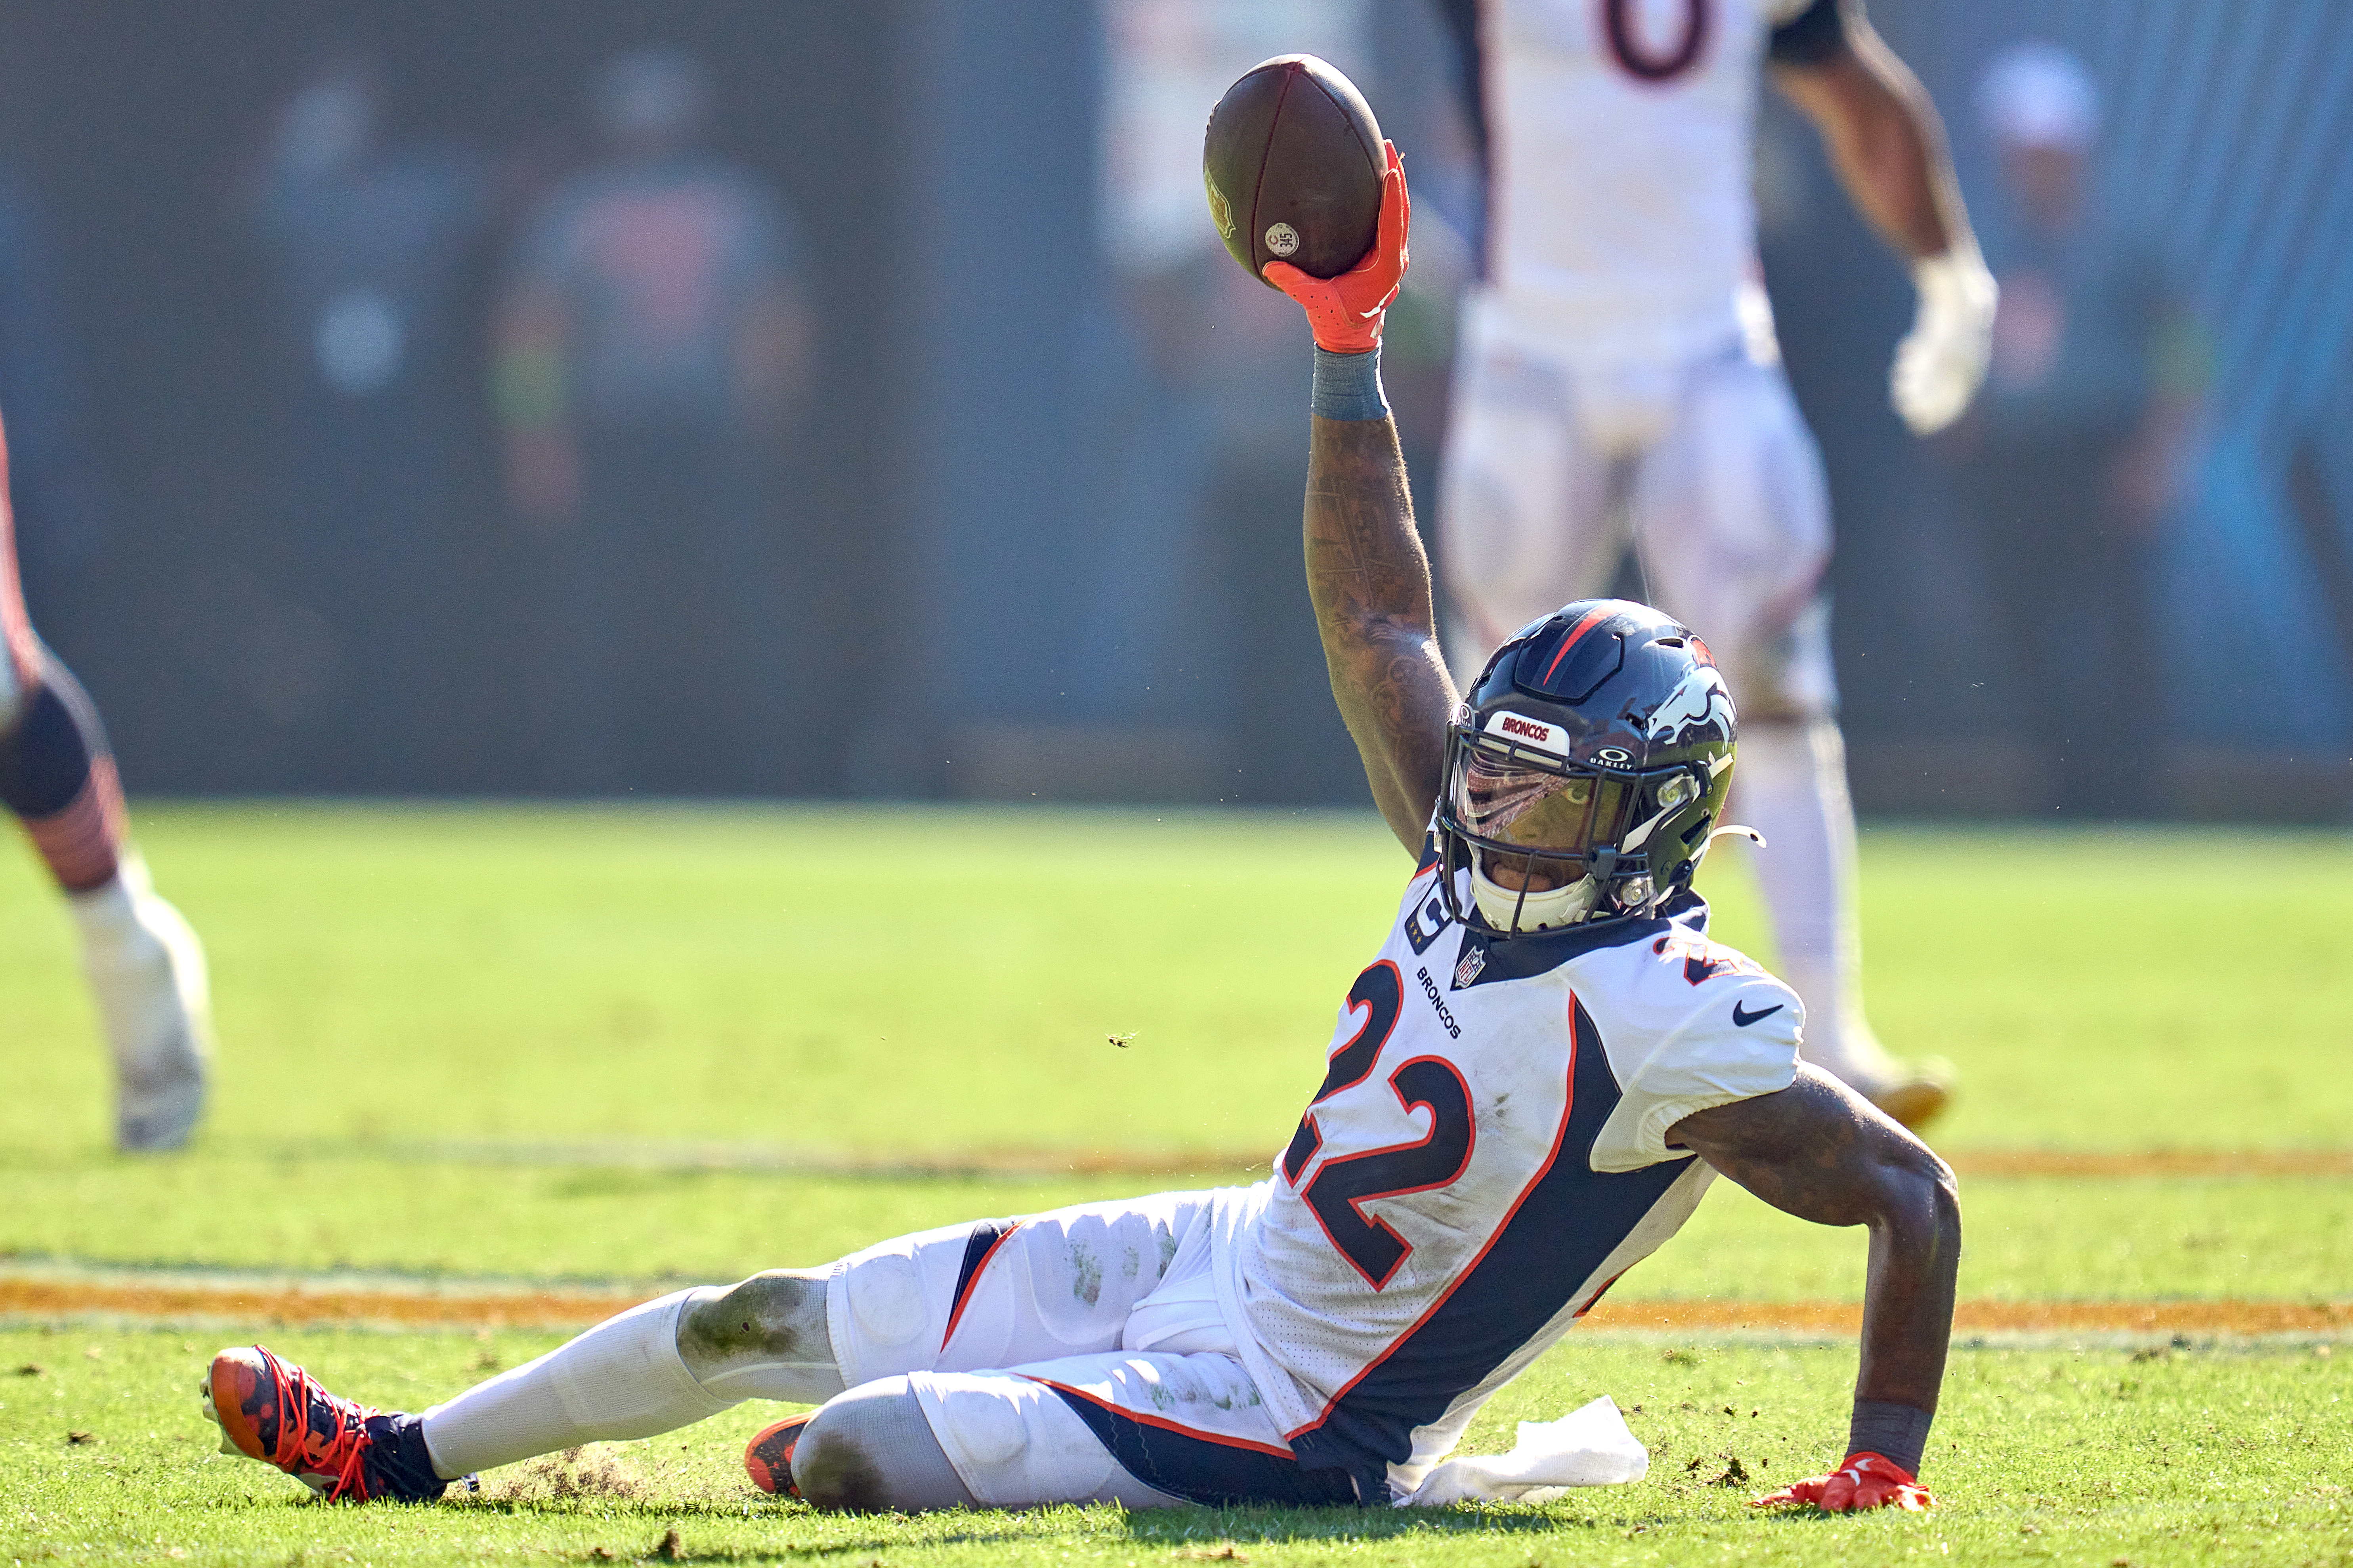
<point>1741,1019</point>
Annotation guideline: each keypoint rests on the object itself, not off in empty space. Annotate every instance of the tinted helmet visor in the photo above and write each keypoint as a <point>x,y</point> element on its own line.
<point>1506,805</point>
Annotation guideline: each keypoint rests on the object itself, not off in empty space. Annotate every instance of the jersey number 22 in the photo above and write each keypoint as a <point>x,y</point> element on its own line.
<point>1346,1182</point>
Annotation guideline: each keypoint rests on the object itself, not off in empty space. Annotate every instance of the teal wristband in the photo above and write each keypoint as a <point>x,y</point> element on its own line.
<point>1893,1431</point>
<point>1348,386</point>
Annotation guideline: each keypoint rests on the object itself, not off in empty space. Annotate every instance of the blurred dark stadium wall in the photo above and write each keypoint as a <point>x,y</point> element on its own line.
<point>133,125</point>
<point>2221,136</point>
<point>953,499</point>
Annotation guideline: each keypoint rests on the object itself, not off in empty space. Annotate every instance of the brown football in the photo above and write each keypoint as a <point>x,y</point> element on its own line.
<point>1293,161</point>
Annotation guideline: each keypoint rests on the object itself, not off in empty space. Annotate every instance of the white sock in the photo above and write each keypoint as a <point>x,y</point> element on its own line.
<point>1791,786</point>
<point>622,1379</point>
<point>146,970</point>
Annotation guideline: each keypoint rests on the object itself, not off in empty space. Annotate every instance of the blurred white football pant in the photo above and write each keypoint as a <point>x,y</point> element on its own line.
<point>1553,468</point>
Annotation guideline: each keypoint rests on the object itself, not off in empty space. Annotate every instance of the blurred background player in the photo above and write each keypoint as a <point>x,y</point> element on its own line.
<point>146,968</point>
<point>652,349</point>
<point>368,241</point>
<point>2075,453</point>
<point>1618,384</point>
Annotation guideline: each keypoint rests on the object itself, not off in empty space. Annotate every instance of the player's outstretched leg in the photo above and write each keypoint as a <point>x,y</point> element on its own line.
<point>1791,788</point>
<point>956,1298</point>
<point>144,964</point>
<point>654,1368</point>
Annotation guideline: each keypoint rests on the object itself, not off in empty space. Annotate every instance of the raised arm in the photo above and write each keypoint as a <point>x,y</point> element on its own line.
<point>1370,583</point>
<point>1365,569</point>
<point>1821,1152</point>
<point>1888,145</point>
<point>1884,133</point>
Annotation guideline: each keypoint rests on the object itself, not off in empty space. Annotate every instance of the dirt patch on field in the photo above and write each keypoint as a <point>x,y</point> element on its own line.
<point>55,1297</point>
<point>596,1470</point>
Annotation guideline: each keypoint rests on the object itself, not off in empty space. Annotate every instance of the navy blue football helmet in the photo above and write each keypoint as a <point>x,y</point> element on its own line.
<point>1586,770</point>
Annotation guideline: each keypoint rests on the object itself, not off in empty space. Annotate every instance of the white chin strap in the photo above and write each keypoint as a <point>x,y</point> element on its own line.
<point>1535,911</point>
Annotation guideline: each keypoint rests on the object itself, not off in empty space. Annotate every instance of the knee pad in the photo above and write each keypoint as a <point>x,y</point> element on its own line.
<point>46,757</point>
<point>56,775</point>
<point>871,1450</point>
<point>766,1338</point>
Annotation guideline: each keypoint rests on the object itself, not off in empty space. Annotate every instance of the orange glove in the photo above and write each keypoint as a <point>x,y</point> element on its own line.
<point>1346,311</point>
<point>1864,1480</point>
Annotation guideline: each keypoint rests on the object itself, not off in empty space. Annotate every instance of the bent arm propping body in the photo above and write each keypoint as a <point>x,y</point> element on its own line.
<point>1821,1152</point>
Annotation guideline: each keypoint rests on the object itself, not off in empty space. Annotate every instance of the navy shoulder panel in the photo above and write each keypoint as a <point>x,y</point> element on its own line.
<point>1686,908</point>
<point>1814,34</point>
<point>1483,959</point>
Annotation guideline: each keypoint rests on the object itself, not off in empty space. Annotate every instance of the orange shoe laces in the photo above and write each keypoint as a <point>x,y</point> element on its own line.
<point>341,1456</point>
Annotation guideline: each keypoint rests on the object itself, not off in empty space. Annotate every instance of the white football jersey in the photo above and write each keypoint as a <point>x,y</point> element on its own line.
<point>1621,220</point>
<point>1487,1155</point>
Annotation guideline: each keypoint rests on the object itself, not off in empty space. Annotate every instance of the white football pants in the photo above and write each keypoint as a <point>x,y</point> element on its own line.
<point>1077,1355</point>
<point>1553,469</point>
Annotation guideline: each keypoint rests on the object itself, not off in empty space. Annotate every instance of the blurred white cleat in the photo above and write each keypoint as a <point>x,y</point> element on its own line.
<point>1914,1093</point>
<point>146,968</point>
<point>1918,1097</point>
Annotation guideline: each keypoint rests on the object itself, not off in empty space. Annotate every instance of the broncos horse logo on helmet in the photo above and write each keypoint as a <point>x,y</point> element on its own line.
<point>1699,702</point>
<point>1586,770</point>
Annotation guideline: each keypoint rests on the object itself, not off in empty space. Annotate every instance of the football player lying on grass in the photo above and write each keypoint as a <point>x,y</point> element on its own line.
<point>1529,1088</point>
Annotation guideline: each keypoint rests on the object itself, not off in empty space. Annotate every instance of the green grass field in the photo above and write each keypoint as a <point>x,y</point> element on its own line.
<point>639,1046</point>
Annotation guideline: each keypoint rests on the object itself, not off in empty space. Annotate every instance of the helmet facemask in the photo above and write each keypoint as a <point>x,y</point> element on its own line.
<point>1549,843</point>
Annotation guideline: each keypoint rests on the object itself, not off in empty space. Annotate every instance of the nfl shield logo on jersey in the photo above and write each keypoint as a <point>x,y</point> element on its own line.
<point>1467,967</point>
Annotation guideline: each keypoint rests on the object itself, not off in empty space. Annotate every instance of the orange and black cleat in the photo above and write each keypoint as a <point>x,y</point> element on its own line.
<point>768,1457</point>
<point>272,1411</point>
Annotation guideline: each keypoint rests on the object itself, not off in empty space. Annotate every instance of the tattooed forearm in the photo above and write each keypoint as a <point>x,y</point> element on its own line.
<point>1818,1151</point>
<point>1370,583</point>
